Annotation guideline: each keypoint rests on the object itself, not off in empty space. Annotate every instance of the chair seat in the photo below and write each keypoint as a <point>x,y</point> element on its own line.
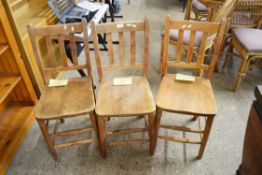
<point>125,100</point>
<point>249,38</point>
<point>74,99</point>
<point>186,97</point>
<point>199,6</point>
<point>174,36</point>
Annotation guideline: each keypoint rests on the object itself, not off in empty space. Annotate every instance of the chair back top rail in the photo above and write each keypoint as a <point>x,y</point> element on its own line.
<point>59,41</point>
<point>193,60</point>
<point>124,30</point>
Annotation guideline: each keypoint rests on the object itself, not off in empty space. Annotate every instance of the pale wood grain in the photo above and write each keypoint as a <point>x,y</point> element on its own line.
<point>191,98</point>
<point>74,99</point>
<point>120,28</point>
<point>182,97</point>
<point>126,100</point>
<point>66,101</point>
<point>117,101</point>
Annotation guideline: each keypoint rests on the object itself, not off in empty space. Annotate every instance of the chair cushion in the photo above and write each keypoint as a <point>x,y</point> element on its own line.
<point>66,101</point>
<point>199,6</point>
<point>183,97</point>
<point>250,39</point>
<point>124,100</point>
<point>174,36</point>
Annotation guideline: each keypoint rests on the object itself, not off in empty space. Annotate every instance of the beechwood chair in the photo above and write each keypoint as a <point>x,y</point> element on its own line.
<point>195,98</point>
<point>74,99</point>
<point>130,100</point>
<point>225,11</point>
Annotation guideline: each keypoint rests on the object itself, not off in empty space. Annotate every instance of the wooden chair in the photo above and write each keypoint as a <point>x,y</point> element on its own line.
<point>248,44</point>
<point>130,100</point>
<point>202,8</point>
<point>225,11</point>
<point>246,13</point>
<point>194,98</point>
<point>74,99</point>
<point>246,28</point>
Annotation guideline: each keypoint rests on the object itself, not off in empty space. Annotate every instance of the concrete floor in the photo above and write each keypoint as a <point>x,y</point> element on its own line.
<point>224,147</point>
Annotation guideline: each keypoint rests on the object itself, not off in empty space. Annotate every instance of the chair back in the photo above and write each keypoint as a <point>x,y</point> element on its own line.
<point>61,7</point>
<point>247,13</point>
<point>194,46</point>
<point>212,6</point>
<point>59,41</point>
<point>120,60</point>
<point>225,11</point>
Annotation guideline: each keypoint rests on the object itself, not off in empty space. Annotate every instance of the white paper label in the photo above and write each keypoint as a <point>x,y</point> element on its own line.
<point>122,81</point>
<point>182,77</point>
<point>54,83</point>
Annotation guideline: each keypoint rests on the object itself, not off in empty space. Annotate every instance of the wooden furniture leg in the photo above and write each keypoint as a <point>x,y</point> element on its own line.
<point>241,73</point>
<point>102,135</point>
<point>229,55</point>
<point>152,133</point>
<point>207,129</point>
<point>157,120</point>
<point>48,140</point>
<point>94,123</point>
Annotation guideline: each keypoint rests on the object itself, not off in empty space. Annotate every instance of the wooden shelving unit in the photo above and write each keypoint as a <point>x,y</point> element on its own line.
<point>3,48</point>
<point>20,14</point>
<point>7,84</point>
<point>17,96</point>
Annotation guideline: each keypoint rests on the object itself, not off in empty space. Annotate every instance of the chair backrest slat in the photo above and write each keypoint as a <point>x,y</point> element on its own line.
<point>62,49</point>
<point>132,48</point>
<point>191,47</point>
<point>50,51</point>
<point>122,47</point>
<point>146,46</point>
<point>179,46</point>
<point>132,28</point>
<point>73,48</point>
<point>194,37</point>
<point>110,48</point>
<point>60,42</point>
<point>202,49</point>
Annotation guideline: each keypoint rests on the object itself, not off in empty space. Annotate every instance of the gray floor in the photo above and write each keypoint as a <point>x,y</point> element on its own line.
<point>224,148</point>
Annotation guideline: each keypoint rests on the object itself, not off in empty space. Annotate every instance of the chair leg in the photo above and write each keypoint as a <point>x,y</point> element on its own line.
<point>48,140</point>
<point>101,132</point>
<point>205,136</point>
<point>94,123</point>
<point>152,133</point>
<point>228,55</point>
<point>157,120</point>
<point>241,73</point>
